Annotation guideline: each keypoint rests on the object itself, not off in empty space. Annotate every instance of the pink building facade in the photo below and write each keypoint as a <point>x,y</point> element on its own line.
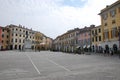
<point>84,37</point>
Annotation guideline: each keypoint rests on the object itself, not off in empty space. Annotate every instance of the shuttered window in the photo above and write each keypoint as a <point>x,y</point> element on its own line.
<point>119,9</point>
<point>114,32</point>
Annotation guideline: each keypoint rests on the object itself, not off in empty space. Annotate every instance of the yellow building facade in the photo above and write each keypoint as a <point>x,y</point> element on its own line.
<point>18,35</point>
<point>38,40</point>
<point>110,24</point>
<point>96,38</point>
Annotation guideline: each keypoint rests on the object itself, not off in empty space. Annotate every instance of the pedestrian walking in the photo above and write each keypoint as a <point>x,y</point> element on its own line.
<point>111,52</point>
<point>104,52</point>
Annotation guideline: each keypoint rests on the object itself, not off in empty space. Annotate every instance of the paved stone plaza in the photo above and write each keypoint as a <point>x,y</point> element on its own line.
<point>46,65</point>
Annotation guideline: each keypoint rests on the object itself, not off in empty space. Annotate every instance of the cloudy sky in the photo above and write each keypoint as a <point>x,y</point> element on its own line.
<point>51,17</point>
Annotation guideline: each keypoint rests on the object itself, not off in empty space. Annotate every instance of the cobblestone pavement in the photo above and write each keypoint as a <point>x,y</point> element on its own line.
<point>46,65</point>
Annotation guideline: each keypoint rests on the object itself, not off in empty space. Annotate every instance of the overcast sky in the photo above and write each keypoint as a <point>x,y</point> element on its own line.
<point>51,17</point>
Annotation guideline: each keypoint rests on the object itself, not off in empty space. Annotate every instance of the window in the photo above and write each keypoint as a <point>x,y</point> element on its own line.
<point>26,32</point>
<point>112,13</point>
<point>113,21</point>
<point>84,41</point>
<point>2,41</point>
<point>96,31</point>
<point>105,16</point>
<point>20,35</point>
<point>16,29</point>
<point>114,32</point>
<point>99,30</point>
<point>3,30</point>
<point>12,34</point>
<point>15,40</point>
<point>105,24</point>
<point>20,29</point>
<point>119,9</point>
<point>7,36</point>
<point>2,35</point>
<point>92,32</point>
<point>16,34</point>
<point>89,41</point>
<point>96,38</point>
<point>99,38</point>
<point>20,41</point>
<point>93,39</point>
<point>106,34</point>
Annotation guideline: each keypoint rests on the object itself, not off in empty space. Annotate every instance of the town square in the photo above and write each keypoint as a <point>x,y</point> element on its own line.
<point>47,65</point>
<point>60,40</point>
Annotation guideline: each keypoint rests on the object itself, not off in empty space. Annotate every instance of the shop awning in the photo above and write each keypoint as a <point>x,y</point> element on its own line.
<point>84,46</point>
<point>88,46</point>
<point>78,47</point>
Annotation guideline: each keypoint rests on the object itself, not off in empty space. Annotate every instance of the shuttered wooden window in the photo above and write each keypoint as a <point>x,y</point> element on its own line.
<point>111,33</point>
<point>119,9</point>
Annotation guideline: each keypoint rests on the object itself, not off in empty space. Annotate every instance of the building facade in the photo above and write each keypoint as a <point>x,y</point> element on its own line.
<point>56,46</point>
<point>49,43</point>
<point>110,24</point>
<point>4,38</point>
<point>19,34</point>
<point>96,38</point>
<point>15,37</point>
<point>67,42</point>
<point>84,38</point>
<point>38,40</point>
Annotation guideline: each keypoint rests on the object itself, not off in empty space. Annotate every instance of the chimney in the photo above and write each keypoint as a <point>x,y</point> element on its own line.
<point>107,6</point>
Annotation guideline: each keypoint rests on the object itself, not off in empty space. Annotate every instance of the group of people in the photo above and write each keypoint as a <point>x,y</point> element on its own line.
<point>109,51</point>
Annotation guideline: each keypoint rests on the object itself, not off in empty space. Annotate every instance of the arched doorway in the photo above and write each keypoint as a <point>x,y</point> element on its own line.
<point>15,46</point>
<point>115,48</point>
<point>19,47</point>
<point>93,48</point>
<point>11,47</point>
<point>38,48</point>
